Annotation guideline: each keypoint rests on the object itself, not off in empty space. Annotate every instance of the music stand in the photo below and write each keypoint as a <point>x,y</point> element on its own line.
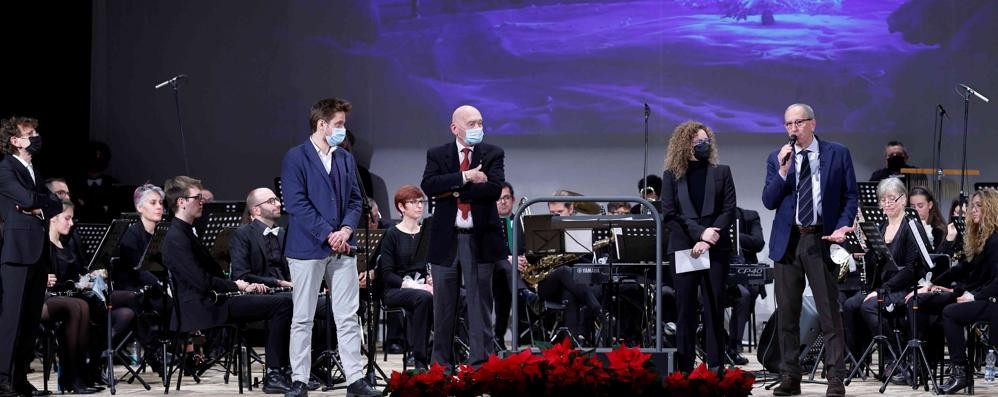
<point>875,242</point>
<point>868,193</point>
<point>369,239</point>
<point>104,255</point>
<point>217,216</point>
<point>540,238</point>
<point>91,235</point>
<point>873,214</point>
<point>220,248</point>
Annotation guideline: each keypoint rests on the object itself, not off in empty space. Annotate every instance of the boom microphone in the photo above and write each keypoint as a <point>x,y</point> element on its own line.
<point>791,142</point>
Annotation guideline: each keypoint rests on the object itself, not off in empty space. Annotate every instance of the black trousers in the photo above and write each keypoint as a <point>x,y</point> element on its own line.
<point>418,305</point>
<point>477,278</point>
<point>857,312</point>
<point>741,309</point>
<point>806,256</point>
<point>709,284</point>
<point>22,299</point>
<point>580,299</point>
<point>956,316</point>
<point>502,292</point>
<point>276,309</point>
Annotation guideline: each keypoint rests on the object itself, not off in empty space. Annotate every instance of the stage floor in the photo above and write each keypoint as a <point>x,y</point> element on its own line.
<point>212,383</point>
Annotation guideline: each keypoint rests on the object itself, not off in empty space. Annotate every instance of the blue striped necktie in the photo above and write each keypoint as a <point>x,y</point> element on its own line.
<point>805,201</point>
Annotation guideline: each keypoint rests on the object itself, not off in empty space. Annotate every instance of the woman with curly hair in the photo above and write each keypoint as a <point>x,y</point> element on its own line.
<point>698,206</point>
<point>975,302</point>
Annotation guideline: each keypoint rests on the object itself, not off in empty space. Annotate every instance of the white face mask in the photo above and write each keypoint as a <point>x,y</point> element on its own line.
<point>337,137</point>
<point>474,136</point>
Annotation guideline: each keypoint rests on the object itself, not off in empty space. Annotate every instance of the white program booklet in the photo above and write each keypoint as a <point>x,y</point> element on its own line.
<point>685,262</point>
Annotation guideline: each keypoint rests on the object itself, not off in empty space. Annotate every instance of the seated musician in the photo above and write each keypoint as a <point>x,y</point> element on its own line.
<point>890,277</point>
<point>559,286</point>
<point>502,278</point>
<point>975,287</point>
<point>256,249</point>
<point>618,208</point>
<point>407,282</point>
<point>197,277</point>
<point>72,311</point>
<point>943,237</point>
<point>742,297</point>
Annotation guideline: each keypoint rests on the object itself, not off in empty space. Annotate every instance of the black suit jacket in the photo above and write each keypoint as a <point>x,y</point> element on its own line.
<point>248,256</point>
<point>24,235</point>
<point>442,180</point>
<point>195,276</point>
<point>717,210</point>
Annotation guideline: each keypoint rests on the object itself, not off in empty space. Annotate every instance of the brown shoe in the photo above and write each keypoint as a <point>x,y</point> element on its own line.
<point>835,388</point>
<point>789,386</point>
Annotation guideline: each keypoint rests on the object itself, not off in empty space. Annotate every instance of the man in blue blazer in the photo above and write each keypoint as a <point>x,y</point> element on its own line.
<point>25,208</point>
<point>812,187</point>
<point>465,176</point>
<point>323,201</point>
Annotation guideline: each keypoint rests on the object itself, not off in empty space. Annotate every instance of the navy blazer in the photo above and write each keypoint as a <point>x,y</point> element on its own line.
<point>839,194</point>
<point>315,207</point>
<point>24,236</point>
<point>442,179</point>
<point>248,256</point>
<point>196,275</point>
<point>717,210</point>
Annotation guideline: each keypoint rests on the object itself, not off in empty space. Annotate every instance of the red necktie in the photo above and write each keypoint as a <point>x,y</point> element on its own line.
<point>465,165</point>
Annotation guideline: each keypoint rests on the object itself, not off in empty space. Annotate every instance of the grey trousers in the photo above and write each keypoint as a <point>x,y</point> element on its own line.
<point>806,257</point>
<point>341,277</point>
<point>478,295</point>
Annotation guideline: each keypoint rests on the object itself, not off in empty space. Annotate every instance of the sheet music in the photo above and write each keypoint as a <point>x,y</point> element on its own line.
<point>685,262</point>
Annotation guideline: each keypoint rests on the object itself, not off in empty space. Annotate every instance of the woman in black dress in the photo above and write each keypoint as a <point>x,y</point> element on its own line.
<point>407,281</point>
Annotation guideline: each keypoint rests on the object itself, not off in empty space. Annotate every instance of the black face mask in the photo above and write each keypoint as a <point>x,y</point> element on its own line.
<point>701,151</point>
<point>895,162</point>
<point>35,146</point>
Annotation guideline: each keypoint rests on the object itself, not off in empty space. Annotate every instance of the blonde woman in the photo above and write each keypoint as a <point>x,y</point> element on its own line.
<point>698,206</point>
<point>975,302</point>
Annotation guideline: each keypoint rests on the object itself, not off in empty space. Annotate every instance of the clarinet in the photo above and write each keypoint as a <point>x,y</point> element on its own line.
<point>217,296</point>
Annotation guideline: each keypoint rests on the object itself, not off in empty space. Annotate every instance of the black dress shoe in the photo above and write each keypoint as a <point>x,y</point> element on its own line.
<point>360,388</point>
<point>78,388</point>
<point>275,382</point>
<point>835,387</point>
<point>7,390</point>
<point>298,389</point>
<point>737,357</point>
<point>394,348</point>
<point>789,386</point>
<point>420,366</point>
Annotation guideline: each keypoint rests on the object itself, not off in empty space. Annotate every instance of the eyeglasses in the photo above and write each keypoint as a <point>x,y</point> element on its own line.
<point>198,197</point>
<point>797,123</point>
<point>891,199</point>
<point>506,197</point>
<point>271,201</point>
<point>416,202</point>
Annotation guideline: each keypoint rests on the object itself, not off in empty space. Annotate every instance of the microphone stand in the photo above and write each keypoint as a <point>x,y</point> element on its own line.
<point>963,166</point>
<point>644,165</point>
<point>369,313</point>
<point>937,151</point>
<point>175,86</point>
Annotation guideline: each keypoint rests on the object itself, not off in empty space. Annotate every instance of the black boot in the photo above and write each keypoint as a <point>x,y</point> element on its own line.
<point>275,382</point>
<point>959,378</point>
<point>789,386</point>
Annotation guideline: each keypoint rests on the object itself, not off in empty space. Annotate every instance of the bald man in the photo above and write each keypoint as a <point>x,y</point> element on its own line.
<point>257,248</point>
<point>465,176</point>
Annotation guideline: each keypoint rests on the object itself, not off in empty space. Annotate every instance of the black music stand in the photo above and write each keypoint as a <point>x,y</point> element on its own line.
<point>875,242</point>
<point>216,217</point>
<point>220,248</point>
<point>868,194</point>
<point>103,257</point>
<point>540,238</point>
<point>91,235</point>
<point>368,240</point>
<point>152,261</point>
<point>873,214</point>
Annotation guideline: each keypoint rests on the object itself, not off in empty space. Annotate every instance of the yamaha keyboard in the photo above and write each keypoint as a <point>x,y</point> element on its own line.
<point>748,274</point>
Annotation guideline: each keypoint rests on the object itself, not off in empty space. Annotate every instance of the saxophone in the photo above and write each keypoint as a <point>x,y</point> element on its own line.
<point>533,274</point>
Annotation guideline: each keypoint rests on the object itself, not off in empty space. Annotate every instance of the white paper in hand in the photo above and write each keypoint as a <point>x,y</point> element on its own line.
<point>685,262</point>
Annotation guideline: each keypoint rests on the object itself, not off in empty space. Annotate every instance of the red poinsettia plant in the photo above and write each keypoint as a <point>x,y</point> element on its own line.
<point>562,370</point>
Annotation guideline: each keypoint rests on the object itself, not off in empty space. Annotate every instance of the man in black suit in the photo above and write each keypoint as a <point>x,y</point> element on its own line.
<point>465,177</point>
<point>256,250</point>
<point>25,206</point>
<point>197,276</point>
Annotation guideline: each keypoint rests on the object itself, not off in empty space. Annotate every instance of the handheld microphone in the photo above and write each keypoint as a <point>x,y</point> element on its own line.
<point>791,142</point>
<point>172,80</point>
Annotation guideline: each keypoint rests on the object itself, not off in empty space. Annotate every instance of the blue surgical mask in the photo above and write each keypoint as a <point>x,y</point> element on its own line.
<point>339,134</point>
<point>474,136</point>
